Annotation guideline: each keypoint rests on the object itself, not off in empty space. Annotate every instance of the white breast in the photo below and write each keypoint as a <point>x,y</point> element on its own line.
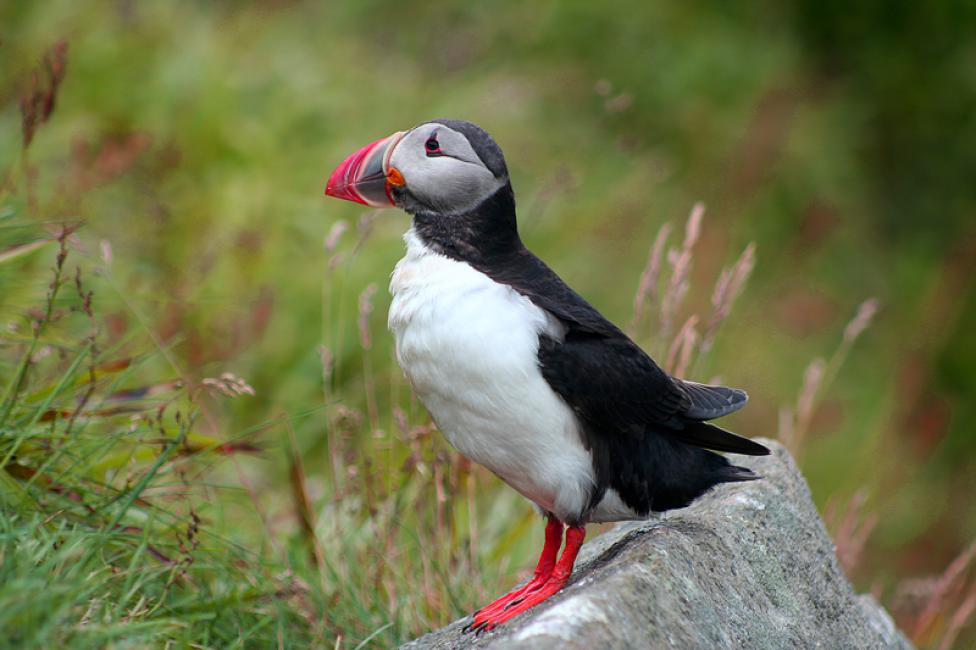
<point>469,347</point>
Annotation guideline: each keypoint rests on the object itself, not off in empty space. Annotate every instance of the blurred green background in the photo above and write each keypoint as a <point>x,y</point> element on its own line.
<point>194,139</point>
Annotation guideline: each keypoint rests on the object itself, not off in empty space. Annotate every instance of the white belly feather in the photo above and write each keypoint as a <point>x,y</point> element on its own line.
<point>469,347</point>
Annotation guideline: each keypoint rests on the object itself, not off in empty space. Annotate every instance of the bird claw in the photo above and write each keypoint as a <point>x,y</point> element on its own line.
<point>477,627</point>
<point>548,581</point>
<point>483,620</point>
<point>484,628</point>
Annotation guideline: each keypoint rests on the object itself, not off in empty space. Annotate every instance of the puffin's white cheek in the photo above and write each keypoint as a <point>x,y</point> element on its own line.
<point>461,191</point>
<point>458,194</point>
<point>481,187</point>
<point>446,184</point>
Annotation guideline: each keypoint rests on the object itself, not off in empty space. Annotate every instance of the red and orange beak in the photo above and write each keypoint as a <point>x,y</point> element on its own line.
<point>366,176</point>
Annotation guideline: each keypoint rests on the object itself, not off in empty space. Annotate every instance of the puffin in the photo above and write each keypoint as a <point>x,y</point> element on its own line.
<point>518,371</point>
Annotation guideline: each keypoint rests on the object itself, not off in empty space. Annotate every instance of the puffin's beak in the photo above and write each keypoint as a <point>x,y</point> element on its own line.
<point>366,176</point>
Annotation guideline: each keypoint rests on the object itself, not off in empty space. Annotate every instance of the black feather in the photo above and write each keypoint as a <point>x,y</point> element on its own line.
<point>643,427</point>
<point>653,472</point>
<point>710,402</point>
<point>709,436</point>
<point>482,143</point>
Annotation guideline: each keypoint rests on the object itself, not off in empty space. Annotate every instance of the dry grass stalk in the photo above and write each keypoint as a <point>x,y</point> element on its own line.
<point>301,500</point>
<point>939,592</point>
<point>472,515</point>
<point>689,344</point>
<point>327,361</point>
<point>365,309</point>
<point>794,422</point>
<point>866,312</point>
<point>679,356</point>
<point>647,289</point>
<point>960,618</point>
<point>862,320</point>
<point>38,103</point>
<point>336,232</point>
<point>813,378</point>
<point>680,261</point>
<point>364,228</point>
<point>817,378</point>
<point>851,527</point>
<point>785,427</point>
<point>39,321</point>
<point>105,247</point>
<point>729,286</point>
<point>228,384</point>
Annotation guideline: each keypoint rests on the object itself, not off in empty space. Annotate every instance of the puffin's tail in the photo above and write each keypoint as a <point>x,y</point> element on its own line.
<point>681,472</point>
<point>709,436</point>
<point>737,474</point>
<point>708,402</point>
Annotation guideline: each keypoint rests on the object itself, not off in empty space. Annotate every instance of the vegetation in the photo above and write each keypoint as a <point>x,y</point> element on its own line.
<point>204,438</point>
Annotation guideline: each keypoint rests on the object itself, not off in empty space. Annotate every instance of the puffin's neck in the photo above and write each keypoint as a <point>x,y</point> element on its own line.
<point>486,232</point>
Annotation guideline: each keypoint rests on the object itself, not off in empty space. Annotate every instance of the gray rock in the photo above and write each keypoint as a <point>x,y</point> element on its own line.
<point>746,566</point>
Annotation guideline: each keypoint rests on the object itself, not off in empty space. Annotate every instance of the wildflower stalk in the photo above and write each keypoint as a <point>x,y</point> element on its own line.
<point>15,385</point>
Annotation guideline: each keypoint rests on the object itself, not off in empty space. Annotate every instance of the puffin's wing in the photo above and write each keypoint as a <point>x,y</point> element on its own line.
<point>709,402</point>
<point>531,277</point>
<point>607,379</point>
<point>615,387</point>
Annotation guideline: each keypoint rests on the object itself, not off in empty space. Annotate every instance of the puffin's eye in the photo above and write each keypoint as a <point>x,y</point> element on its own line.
<point>432,146</point>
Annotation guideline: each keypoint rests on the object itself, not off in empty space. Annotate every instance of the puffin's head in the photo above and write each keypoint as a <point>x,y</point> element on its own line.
<point>442,167</point>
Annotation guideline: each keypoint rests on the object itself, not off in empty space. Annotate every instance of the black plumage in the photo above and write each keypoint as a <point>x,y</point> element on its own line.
<point>650,445</point>
<point>645,429</point>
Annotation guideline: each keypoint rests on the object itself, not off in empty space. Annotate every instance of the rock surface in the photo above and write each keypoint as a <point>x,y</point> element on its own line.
<point>746,566</point>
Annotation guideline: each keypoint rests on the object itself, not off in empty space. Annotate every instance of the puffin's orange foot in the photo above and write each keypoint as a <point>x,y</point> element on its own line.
<point>485,621</point>
<point>537,590</point>
<point>514,596</point>
<point>554,538</point>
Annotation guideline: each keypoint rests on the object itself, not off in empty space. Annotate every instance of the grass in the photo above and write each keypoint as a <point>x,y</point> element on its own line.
<point>116,516</point>
<point>175,152</point>
<point>116,519</point>
<point>101,536</point>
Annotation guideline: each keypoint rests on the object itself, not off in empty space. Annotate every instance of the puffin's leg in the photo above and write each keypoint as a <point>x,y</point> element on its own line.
<point>554,538</point>
<point>557,579</point>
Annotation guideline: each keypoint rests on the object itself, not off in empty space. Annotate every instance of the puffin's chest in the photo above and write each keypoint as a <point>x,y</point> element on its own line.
<point>457,328</point>
<point>469,347</point>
